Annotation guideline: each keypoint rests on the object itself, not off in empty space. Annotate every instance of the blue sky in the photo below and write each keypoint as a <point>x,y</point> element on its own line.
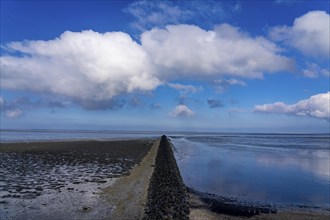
<point>228,66</point>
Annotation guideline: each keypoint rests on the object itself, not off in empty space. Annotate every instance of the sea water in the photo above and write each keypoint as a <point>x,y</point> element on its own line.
<point>279,169</point>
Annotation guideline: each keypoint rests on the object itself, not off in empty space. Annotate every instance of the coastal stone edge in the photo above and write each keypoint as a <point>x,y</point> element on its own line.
<point>167,194</point>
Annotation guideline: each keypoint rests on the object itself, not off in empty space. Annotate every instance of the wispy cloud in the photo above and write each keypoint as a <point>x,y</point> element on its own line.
<point>286,2</point>
<point>181,111</point>
<point>230,82</point>
<point>233,101</point>
<point>221,85</point>
<point>232,111</point>
<point>155,106</point>
<point>309,34</point>
<point>313,70</point>
<point>27,103</point>
<point>155,13</point>
<point>136,102</point>
<point>2,101</point>
<point>215,103</point>
<point>317,106</point>
<point>112,104</point>
<point>15,108</point>
<point>14,113</point>
<point>236,7</point>
<point>184,89</point>
<point>10,111</point>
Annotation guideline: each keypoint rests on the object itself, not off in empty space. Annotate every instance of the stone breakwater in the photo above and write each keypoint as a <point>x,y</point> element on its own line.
<point>167,194</point>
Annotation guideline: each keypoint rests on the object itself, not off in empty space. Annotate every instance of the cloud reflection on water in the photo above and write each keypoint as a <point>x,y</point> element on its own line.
<point>225,167</point>
<point>316,162</point>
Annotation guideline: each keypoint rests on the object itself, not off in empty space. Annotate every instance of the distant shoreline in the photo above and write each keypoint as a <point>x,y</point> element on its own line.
<point>46,141</point>
<point>63,135</point>
<point>167,132</point>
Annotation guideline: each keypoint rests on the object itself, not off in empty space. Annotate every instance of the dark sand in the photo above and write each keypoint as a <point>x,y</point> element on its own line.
<point>64,180</point>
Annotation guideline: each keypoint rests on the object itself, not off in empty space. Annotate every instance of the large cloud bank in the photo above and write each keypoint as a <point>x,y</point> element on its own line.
<point>90,65</point>
<point>317,106</point>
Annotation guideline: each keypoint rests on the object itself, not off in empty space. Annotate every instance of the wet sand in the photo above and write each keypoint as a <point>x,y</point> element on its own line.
<point>66,180</point>
<point>129,194</point>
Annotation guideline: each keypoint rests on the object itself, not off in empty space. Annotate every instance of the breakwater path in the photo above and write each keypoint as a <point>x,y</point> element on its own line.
<point>167,194</point>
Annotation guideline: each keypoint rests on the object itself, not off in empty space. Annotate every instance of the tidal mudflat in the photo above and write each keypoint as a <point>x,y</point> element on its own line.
<point>64,180</point>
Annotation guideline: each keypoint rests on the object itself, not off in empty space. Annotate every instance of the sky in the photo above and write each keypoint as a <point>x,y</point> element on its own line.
<point>216,66</point>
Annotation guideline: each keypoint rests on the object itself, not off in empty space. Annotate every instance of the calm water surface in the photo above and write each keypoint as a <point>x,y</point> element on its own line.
<point>277,169</point>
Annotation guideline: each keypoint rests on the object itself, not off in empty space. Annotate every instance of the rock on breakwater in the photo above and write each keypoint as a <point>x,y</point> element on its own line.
<point>167,194</point>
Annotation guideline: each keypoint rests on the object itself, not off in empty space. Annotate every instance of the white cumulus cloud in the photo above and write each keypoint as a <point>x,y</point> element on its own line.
<point>309,33</point>
<point>14,113</point>
<point>181,111</point>
<point>189,51</point>
<point>82,65</point>
<point>317,106</point>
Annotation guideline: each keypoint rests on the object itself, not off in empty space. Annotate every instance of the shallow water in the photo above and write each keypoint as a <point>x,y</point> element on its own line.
<point>276,169</point>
